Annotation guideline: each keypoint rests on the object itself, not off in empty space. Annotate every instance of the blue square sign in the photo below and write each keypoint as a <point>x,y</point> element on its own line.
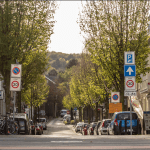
<point>129,70</point>
<point>129,58</point>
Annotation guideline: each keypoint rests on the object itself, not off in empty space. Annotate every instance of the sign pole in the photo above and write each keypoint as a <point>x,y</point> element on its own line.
<point>130,117</point>
<point>14,104</point>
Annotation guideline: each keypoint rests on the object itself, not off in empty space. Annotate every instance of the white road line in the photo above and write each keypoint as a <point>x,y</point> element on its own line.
<point>66,141</point>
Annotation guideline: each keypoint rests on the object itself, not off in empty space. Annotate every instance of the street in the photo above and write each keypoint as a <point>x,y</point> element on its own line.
<point>60,136</point>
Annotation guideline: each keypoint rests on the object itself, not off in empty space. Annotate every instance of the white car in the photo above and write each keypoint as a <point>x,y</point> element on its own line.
<point>63,112</point>
<point>66,117</point>
<point>43,122</point>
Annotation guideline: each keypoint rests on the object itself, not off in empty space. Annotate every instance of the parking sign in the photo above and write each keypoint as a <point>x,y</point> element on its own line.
<point>129,58</point>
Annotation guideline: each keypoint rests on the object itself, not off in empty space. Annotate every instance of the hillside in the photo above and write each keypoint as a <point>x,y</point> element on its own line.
<point>59,60</point>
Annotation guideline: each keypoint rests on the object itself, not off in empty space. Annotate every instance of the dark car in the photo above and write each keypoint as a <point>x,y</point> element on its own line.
<point>120,123</point>
<point>91,128</point>
<point>23,122</point>
<point>96,128</point>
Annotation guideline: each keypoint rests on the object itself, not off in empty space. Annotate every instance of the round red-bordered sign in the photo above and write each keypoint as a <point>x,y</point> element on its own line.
<point>115,97</point>
<point>15,84</point>
<point>15,70</point>
<point>130,83</point>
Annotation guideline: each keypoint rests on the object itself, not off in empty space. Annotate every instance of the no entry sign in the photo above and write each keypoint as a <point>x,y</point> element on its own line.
<point>115,97</point>
<point>130,84</point>
<point>15,84</point>
<point>16,70</point>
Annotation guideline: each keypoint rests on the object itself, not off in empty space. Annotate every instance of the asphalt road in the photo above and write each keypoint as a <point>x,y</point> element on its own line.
<point>60,136</point>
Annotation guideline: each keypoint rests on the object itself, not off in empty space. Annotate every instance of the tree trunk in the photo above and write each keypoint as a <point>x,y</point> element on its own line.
<point>19,102</point>
<point>7,91</point>
<point>71,113</point>
<point>35,115</point>
<point>122,91</point>
<point>96,111</point>
<point>89,114</point>
<point>80,114</point>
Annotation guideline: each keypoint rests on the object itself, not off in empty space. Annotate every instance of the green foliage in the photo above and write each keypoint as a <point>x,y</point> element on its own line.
<point>25,30</point>
<point>72,122</point>
<point>111,32</point>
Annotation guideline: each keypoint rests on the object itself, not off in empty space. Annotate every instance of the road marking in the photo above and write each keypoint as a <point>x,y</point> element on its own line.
<point>79,147</point>
<point>66,141</point>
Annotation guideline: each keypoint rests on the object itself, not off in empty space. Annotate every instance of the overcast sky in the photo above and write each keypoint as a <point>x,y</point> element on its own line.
<point>66,37</point>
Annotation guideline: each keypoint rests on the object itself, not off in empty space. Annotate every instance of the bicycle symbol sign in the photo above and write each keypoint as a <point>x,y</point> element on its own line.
<point>16,70</point>
<point>15,84</point>
<point>130,83</point>
<point>115,97</point>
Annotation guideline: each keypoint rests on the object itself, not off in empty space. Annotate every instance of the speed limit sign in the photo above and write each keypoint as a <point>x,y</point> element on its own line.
<point>15,84</point>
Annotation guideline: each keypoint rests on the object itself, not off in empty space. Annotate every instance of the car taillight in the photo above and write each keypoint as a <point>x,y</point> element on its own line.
<point>33,126</point>
<point>103,124</point>
<point>115,121</point>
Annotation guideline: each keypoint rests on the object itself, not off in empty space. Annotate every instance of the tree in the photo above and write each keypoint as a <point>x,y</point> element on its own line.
<point>112,27</point>
<point>25,29</point>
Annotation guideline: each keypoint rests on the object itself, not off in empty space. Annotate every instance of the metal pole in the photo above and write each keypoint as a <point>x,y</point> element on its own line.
<point>14,104</point>
<point>130,117</point>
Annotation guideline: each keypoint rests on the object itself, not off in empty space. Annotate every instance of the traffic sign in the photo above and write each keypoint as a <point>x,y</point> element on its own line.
<point>1,94</point>
<point>129,70</point>
<point>130,84</point>
<point>15,84</point>
<point>115,97</point>
<point>115,107</point>
<point>16,70</point>
<point>75,108</point>
<point>129,93</point>
<point>129,58</point>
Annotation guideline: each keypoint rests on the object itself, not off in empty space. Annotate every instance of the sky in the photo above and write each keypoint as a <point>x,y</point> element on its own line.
<point>66,37</point>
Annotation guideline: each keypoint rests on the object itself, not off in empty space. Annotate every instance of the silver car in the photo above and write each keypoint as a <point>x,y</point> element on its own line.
<point>103,127</point>
<point>78,126</point>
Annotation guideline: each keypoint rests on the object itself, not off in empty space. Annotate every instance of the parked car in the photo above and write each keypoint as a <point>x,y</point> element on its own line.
<point>41,127</point>
<point>43,122</point>
<point>103,126</point>
<point>83,126</point>
<point>63,112</point>
<point>23,122</point>
<point>91,128</point>
<point>38,130</point>
<point>77,128</point>
<point>33,129</point>
<point>96,128</point>
<point>117,125</point>
<point>66,117</point>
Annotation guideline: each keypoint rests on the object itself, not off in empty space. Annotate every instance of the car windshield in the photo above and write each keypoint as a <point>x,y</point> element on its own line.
<point>63,111</point>
<point>124,116</point>
<point>41,120</point>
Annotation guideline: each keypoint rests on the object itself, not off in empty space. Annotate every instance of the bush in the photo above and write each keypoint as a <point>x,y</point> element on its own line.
<point>65,122</point>
<point>72,122</point>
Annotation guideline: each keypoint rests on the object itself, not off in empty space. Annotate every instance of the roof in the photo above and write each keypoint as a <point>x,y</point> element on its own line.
<point>49,79</point>
<point>124,112</point>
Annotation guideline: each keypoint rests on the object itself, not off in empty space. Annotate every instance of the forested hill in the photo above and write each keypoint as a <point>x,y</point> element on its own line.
<point>59,60</point>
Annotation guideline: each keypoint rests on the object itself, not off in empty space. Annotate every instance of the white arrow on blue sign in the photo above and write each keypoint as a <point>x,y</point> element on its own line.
<point>129,70</point>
